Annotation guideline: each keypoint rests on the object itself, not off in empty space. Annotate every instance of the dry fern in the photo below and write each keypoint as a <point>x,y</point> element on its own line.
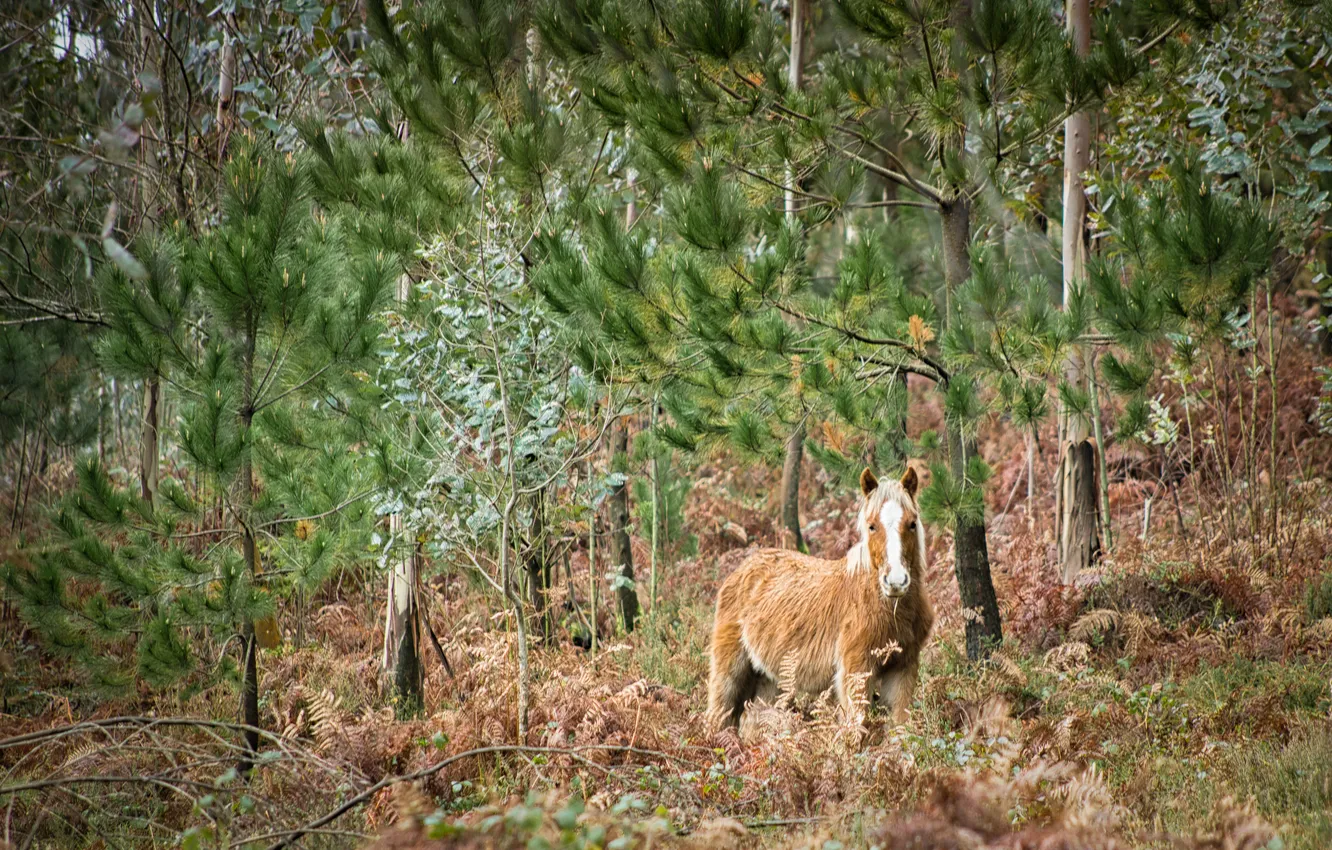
<point>1068,657</point>
<point>1089,625</point>
<point>326,721</point>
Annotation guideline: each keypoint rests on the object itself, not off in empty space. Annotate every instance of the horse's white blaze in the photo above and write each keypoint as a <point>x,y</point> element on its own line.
<point>891,517</point>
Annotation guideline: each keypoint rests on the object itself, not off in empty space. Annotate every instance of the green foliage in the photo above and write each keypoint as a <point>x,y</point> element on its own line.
<point>283,318</point>
<point>1318,598</point>
<point>1184,258</point>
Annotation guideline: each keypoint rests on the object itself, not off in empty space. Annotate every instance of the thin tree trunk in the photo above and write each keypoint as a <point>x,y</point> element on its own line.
<point>795,449</point>
<point>795,72</point>
<point>622,553</point>
<point>402,623</point>
<point>971,556</point>
<point>148,439</point>
<point>656,514</point>
<point>117,420</point>
<point>795,441</point>
<point>101,421</point>
<point>537,563</point>
<point>1102,479</point>
<point>402,626</point>
<point>1079,545</point>
<point>1031,476</point>
<point>591,559</point>
<point>250,552</point>
<point>18,489</point>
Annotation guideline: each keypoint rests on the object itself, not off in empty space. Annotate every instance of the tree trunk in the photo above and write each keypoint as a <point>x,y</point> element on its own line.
<point>795,72</point>
<point>795,450</point>
<point>402,618</point>
<point>402,625</point>
<point>591,559</point>
<point>1080,531</point>
<point>148,439</point>
<point>622,553</point>
<point>250,552</point>
<point>537,562</point>
<point>971,556</point>
<point>795,441</point>
<point>1077,521</point>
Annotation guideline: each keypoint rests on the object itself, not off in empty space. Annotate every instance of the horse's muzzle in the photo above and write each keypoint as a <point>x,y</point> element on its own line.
<point>894,591</point>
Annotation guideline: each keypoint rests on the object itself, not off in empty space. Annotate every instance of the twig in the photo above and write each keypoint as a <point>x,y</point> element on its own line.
<point>363,797</point>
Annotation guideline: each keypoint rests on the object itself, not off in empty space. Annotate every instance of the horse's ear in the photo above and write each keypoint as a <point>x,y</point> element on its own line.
<point>868,483</point>
<point>910,482</point>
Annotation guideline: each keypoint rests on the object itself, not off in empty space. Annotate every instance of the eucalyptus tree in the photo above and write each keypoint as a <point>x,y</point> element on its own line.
<point>490,415</point>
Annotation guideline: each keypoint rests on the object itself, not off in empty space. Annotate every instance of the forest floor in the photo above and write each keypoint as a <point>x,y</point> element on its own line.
<point>1178,695</point>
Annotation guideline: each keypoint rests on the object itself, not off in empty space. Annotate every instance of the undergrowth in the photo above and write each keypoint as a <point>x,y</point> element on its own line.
<point>1178,695</point>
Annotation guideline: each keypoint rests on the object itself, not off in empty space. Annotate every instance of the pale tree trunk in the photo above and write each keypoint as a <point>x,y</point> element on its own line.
<point>621,552</point>
<point>149,443</point>
<point>402,624</point>
<point>250,552</point>
<point>591,559</point>
<point>1078,537</point>
<point>971,555</point>
<point>657,538</point>
<point>795,441</point>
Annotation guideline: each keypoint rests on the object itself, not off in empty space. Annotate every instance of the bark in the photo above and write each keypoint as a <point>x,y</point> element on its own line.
<point>795,442</point>
<point>1077,502</point>
<point>1102,478</point>
<point>537,563</point>
<point>149,441</point>
<point>621,552</point>
<point>591,561</point>
<point>402,623</point>
<point>402,626</point>
<point>795,450</point>
<point>249,551</point>
<point>971,556</point>
<point>1080,531</point>
<point>657,538</point>
<point>795,72</point>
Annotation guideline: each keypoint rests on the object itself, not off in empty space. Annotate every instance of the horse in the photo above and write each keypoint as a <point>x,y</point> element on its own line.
<point>821,622</point>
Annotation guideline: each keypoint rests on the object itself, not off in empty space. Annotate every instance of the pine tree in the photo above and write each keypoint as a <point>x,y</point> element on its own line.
<point>723,314</point>
<point>283,320</point>
<point>391,197</point>
<point>1181,275</point>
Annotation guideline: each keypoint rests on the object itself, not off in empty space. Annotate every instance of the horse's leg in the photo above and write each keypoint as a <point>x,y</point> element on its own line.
<point>853,662</point>
<point>897,687</point>
<point>733,680</point>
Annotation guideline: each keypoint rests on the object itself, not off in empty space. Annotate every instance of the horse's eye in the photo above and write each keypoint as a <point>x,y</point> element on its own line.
<point>873,527</point>
<point>912,527</point>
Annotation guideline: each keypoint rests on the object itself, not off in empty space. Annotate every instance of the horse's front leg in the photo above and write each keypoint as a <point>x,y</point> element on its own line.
<point>896,687</point>
<point>854,671</point>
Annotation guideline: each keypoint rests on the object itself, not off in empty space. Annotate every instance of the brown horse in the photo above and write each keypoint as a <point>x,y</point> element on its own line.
<point>827,621</point>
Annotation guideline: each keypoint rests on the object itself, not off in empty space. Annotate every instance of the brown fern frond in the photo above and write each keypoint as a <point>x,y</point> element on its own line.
<point>1100,621</point>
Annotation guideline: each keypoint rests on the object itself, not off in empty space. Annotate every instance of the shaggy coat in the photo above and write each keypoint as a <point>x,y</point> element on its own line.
<point>867,614</point>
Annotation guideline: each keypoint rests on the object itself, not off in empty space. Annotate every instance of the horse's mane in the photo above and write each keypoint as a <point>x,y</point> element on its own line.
<point>857,557</point>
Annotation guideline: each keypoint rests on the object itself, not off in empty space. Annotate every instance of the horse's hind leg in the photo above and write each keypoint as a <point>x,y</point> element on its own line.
<point>734,681</point>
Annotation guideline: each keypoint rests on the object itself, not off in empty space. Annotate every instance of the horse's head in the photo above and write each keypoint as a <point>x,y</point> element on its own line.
<point>892,537</point>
